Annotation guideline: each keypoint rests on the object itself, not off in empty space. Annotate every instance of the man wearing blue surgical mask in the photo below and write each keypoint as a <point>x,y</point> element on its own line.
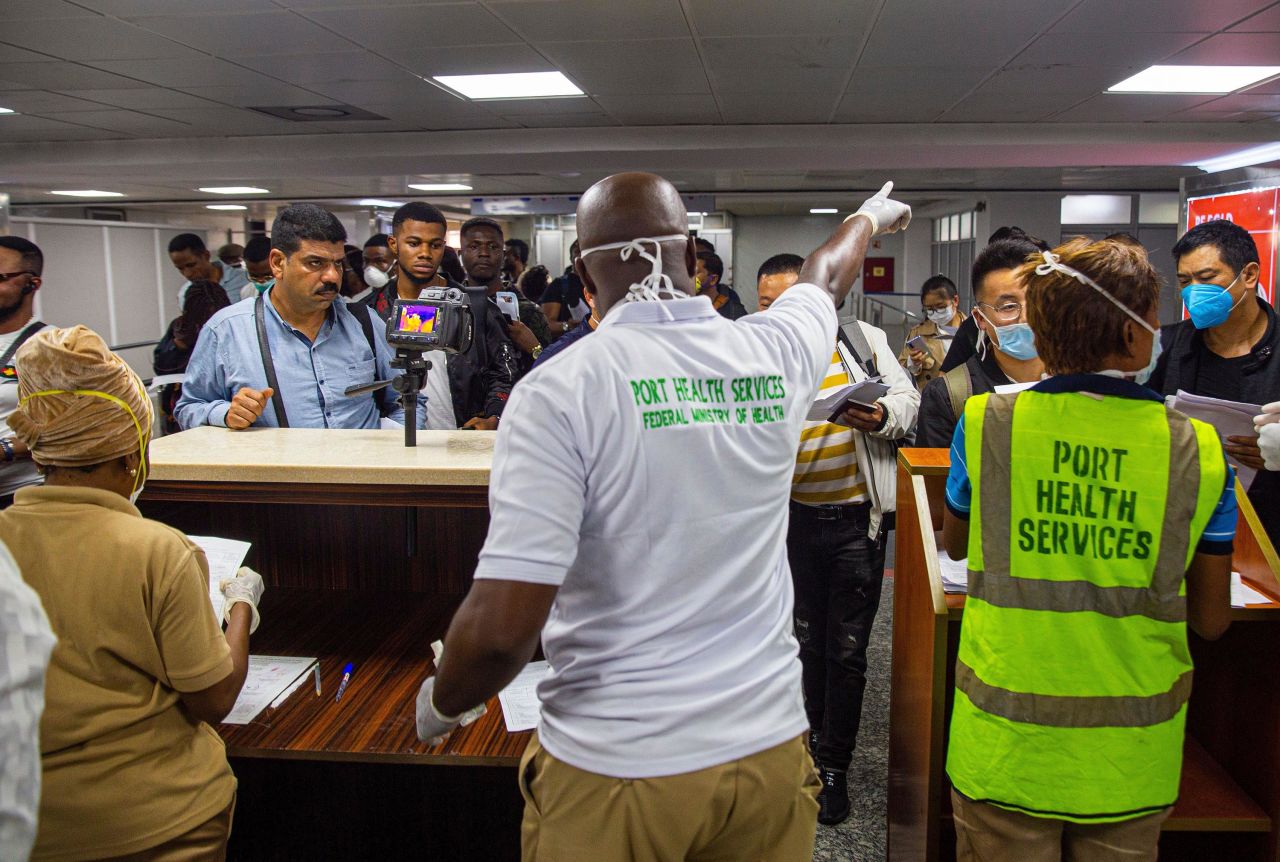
<point>1227,348</point>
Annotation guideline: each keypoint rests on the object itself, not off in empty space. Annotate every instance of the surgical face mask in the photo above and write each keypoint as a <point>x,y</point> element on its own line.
<point>652,286</point>
<point>264,286</point>
<point>143,437</point>
<point>1017,340</point>
<point>375,277</point>
<point>1210,304</point>
<point>940,316</point>
<point>1051,264</point>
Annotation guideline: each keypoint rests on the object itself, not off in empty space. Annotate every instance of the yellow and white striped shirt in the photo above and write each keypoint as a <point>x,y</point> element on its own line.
<point>827,463</point>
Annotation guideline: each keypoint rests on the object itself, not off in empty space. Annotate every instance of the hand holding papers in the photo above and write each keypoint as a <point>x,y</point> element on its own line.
<point>866,393</point>
<point>1229,419</point>
<point>1267,424</point>
<point>225,557</point>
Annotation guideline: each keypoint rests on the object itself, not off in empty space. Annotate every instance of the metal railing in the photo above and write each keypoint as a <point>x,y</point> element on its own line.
<point>872,309</point>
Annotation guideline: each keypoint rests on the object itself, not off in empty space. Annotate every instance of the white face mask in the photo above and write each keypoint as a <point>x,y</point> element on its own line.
<point>940,316</point>
<point>652,286</point>
<point>375,277</point>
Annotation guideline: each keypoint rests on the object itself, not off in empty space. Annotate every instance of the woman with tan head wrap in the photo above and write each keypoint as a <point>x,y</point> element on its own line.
<point>141,668</point>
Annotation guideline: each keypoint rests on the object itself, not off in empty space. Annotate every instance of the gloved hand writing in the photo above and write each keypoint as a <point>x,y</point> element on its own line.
<point>247,587</point>
<point>433,727</point>
<point>885,214</point>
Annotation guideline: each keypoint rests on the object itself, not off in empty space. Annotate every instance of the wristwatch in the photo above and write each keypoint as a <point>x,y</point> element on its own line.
<point>536,352</point>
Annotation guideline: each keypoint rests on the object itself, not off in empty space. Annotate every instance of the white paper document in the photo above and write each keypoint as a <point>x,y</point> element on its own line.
<point>271,679</point>
<point>520,704</point>
<point>163,380</point>
<point>225,558</point>
<point>955,574</point>
<point>1228,418</point>
<point>1010,388</point>
<point>1242,594</point>
<point>508,303</point>
<point>865,392</point>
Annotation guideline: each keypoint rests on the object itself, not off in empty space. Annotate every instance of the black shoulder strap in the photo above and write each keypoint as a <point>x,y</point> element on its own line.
<point>277,400</point>
<point>32,328</point>
<point>852,336</point>
<point>362,313</point>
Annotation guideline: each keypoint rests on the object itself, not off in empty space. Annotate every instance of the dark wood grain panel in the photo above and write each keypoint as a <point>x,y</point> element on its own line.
<point>442,496</point>
<point>387,636</point>
<point>322,544</point>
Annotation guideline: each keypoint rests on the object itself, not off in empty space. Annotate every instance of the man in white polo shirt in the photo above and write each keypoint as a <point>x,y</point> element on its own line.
<point>672,724</point>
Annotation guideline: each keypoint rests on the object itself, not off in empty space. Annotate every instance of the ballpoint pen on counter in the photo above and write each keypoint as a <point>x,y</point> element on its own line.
<point>317,679</point>
<point>346,678</point>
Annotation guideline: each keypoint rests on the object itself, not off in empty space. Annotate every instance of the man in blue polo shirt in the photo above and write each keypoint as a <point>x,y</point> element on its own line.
<point>316,348</point>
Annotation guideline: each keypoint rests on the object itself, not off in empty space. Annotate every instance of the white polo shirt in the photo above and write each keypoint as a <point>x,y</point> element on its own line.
<point>647,473</point>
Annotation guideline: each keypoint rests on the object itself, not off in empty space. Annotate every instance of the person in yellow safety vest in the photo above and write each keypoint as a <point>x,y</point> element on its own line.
<point>1102,524</point>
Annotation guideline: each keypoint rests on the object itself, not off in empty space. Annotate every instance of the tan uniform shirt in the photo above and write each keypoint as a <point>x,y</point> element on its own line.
<point>125,766</point>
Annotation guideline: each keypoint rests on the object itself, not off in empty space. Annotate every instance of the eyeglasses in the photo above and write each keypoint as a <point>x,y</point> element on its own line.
<point>6,276</point>
<point>484,246</point>
<point>320,264</point>
<point>1005,311</point>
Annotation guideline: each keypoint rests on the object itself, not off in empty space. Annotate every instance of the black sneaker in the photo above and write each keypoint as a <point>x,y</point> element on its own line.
<point>833,801</point>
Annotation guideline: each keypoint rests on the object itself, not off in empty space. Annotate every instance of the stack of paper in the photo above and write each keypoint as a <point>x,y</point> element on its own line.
<point>866,392</point>
<point>1242,594</point>
<point>225,558</point>
<point>955,574</point>
<point>271,679</point>
<point>1228,418</point>
<point>520,704</point>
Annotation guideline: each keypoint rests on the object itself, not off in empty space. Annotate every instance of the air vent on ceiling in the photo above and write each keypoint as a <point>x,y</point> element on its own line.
<point>319,113</point>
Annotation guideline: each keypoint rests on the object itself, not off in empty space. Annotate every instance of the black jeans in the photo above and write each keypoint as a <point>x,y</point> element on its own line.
<point>837,572</point>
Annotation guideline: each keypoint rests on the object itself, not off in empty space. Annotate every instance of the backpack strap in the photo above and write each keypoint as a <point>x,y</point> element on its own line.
<point>277,400</point>
<point>362,313</point>
<point>959,388</point>
<point>852,337</point>
<point>31,329</point>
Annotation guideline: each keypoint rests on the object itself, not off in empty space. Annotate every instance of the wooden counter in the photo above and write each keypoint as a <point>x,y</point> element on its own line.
<point>1229,799</point>
<point>367,549</point>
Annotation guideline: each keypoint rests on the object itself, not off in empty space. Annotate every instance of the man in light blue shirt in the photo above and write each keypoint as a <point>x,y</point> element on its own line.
<point>319,348</point>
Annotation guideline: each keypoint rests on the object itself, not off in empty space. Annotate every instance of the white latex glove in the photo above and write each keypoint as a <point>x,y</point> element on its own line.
<point>433,726</point>
<point>1270,413</point>
<point>247,587</point>
<point>885,214</point>
<point>1269,443</point>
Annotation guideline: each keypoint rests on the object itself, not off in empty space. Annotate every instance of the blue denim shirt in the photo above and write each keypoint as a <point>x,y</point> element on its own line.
<point>312,375</point>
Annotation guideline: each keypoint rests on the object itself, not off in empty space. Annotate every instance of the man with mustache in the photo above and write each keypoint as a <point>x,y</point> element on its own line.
<point>21,264</point>
<point>315,348</point>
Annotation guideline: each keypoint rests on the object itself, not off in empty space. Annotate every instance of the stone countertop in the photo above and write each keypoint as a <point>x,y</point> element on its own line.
<point>312,456</point>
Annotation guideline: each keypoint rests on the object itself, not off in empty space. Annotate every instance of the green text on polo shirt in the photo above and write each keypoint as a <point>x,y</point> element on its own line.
<point>1091,514</point>
<point>673,402</point>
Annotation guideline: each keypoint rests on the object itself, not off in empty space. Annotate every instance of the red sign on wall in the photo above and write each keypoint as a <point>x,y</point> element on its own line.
<point>1254,210</point>
<point>877,275</point>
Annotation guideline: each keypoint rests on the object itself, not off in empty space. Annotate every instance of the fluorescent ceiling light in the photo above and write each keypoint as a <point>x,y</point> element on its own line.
<point>1195,79</point>
<point>226,207</point>
<point>88,193</point>
<point>377,202</point>
<point>515,85</point>
<point>691,215</point>
<point>234,190</point>
<point>440,187</point>
<point>823,210</point>
<point>7,111</point>
<point>1239,159</point>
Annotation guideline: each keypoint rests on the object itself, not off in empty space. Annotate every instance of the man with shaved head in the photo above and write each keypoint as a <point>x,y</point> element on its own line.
<point>672,726</point>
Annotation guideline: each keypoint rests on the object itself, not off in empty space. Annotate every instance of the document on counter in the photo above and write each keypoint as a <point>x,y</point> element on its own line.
<point>1242,594</point>
<point>955,574</point>
<point>271,679</point>
<point>225,556</point>
<point>866,392</point>
<point>520,704</point>
<point>1228,418</point>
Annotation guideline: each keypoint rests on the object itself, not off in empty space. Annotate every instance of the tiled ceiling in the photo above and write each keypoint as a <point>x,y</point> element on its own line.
<point>149,71</point>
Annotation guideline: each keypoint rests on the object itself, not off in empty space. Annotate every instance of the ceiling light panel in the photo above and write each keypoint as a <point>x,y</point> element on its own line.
<point>513,85</point>
<point>87,193</point>
<point>440,187</point>
<point>1195,79</point>
<point>234,190</point>
<point>227,207</point>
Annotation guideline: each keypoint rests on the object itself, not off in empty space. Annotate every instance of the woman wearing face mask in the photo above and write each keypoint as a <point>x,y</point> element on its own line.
<point>1098,525</point>
<point>1006,349</point>
<point>941,304</point>
<point>141,668</point>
